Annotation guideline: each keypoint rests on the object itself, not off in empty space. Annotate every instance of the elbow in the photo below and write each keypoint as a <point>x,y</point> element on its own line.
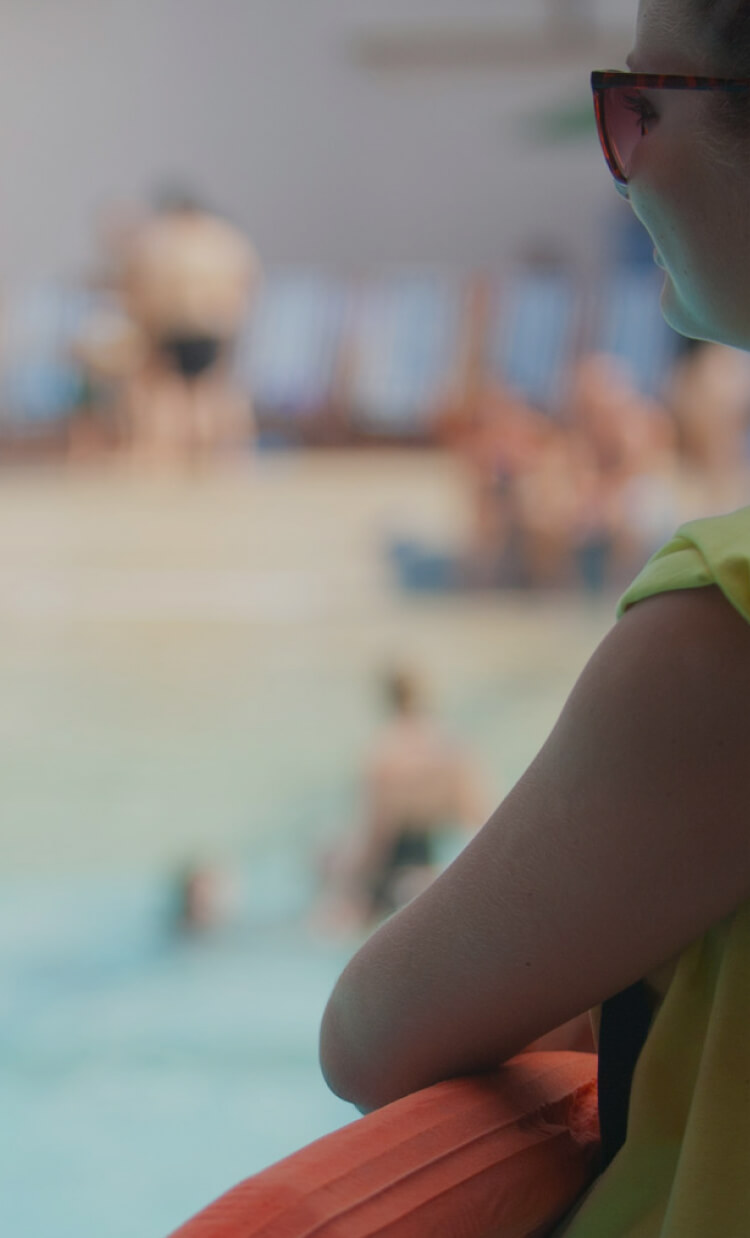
<point>344,1065</point>
<point>337,1059</point>
<point>329,1053</point>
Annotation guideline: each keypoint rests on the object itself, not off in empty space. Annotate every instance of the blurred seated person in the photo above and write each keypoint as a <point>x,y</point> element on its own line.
<point>188,279</point>
<point>418,785</point>
<point>625,447</point>
<point>623,427</point>
<point>709,395</point>
<point>553,499</point>
<point>535,490</point>
<point>498,436</point>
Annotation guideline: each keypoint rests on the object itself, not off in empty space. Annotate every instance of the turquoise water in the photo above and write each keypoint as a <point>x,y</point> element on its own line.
<point>142,1074</point>
<point>189,668</point>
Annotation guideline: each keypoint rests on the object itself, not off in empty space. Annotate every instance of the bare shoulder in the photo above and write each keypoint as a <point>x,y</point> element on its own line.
<point>625,840</point>
<point>693,635</point>
<point>663,706</point>
<point>658,724</point>
<point>670,681</point>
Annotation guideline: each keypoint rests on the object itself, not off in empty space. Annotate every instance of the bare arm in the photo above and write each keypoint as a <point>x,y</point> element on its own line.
<point>624,841</point>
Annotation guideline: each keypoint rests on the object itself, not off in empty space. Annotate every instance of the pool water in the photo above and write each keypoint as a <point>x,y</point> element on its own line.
<point>188,670</point>
<point>144,1074</point>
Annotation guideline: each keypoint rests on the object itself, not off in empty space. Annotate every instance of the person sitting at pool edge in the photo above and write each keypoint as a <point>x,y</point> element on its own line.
<point>615,876</point>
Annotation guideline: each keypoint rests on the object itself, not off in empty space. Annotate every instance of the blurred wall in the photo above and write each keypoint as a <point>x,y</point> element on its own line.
<point>261,104</point>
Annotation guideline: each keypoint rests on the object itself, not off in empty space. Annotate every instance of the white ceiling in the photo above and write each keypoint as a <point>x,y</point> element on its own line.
<point>261,104</point>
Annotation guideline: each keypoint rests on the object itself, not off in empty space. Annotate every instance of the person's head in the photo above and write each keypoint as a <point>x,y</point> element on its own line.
<point>172,198</point>
<point>403,692</point>
<point>689,183</point>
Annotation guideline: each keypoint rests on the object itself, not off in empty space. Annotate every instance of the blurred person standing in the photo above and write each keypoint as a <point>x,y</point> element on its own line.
<point>418,785</point>
<point>188,278</point>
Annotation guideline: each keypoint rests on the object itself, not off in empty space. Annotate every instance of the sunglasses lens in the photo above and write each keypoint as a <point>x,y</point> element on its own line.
<point>623,120</point>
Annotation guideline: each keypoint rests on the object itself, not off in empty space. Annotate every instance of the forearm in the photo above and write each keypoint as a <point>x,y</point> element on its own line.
<point>380,1041</point>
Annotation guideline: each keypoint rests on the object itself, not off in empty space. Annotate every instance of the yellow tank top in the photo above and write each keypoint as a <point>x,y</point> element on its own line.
<point>684,1170</point>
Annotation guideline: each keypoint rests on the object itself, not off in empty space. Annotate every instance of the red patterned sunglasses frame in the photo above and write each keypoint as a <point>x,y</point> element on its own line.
<point>601,82</point>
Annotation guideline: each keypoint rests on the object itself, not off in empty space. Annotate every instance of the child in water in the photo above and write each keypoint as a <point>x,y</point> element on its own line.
<point>418,783</point>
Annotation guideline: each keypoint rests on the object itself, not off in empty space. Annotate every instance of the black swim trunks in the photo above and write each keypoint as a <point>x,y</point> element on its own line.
<point>412,847</point>
<point>192,355</point>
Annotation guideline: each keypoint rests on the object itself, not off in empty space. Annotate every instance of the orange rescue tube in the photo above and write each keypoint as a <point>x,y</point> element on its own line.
<point>494,1156</point>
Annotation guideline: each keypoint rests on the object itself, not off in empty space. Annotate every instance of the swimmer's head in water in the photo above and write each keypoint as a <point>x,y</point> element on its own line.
<point>403,691</point>
<point>689,183</point>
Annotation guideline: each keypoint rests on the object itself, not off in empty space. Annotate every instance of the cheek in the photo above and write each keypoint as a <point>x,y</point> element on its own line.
<point>701,241</point>
<point>697,216</point>
<point>658,195</point>
<point>667,182</point>
<point>682,222</point>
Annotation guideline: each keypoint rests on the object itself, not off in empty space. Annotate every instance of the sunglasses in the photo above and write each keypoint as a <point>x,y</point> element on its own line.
<point>624,113</point>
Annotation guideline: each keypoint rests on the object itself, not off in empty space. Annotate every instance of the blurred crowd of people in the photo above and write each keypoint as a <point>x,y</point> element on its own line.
<point>579,499</point>
<point>573,495</point>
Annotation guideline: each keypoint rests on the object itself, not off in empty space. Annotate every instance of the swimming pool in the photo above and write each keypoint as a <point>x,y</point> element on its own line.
<point>186,670</point>
<point>142,1074</point>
